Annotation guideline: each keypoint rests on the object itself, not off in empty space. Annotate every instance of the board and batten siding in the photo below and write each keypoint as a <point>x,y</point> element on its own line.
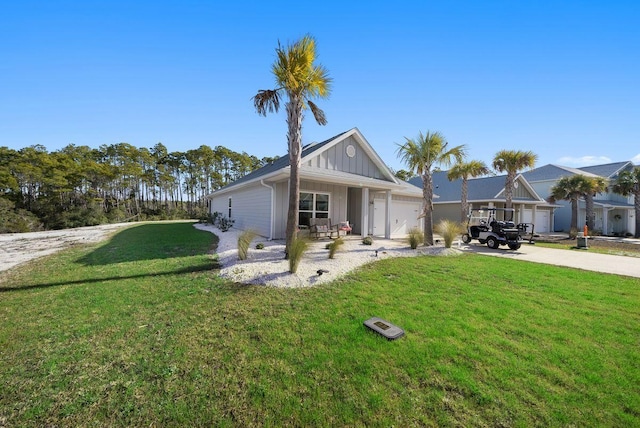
<point>250,208</point>
<point>336,159</point>
<point>521,192</point>
<point>337,203</point>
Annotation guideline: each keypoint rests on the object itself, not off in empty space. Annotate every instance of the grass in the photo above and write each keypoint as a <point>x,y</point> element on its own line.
<point>141,331</point>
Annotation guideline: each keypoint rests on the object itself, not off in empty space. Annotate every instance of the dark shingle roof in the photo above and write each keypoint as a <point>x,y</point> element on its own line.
<point>550,172</point>
<point>479,189</point>
<point>280,163</point>
<point>609,170</point>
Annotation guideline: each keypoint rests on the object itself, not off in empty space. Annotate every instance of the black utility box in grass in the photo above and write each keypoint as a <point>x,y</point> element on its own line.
<point>384,328</point>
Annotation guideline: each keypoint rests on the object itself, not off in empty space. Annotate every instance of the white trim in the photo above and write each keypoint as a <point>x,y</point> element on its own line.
<point>272,214</point>
<point>375,158</point>
<point>313,211</point>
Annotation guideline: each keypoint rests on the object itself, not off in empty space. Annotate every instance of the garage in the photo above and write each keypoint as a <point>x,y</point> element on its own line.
<point>542,221</point>
<point>404,216</point>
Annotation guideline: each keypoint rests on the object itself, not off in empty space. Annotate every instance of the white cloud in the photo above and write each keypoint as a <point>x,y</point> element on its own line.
<point>584,160</point>
<point>636,159</point>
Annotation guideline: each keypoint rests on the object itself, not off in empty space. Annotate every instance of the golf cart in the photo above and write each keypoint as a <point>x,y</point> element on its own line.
<point>483,225</point>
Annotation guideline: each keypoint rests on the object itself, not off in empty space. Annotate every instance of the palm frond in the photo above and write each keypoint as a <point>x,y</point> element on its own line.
<point>295,71</point>
<point>267,100</point>
<point>318,114</point>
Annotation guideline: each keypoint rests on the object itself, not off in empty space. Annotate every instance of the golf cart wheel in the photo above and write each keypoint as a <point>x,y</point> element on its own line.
<point>466,238</point>
<point>492,242</point>
<point>514,246</point>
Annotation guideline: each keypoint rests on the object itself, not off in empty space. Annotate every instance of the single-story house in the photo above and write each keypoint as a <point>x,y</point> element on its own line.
<point>489,192</point>
<point>341,178</point>
<point>614,213</point>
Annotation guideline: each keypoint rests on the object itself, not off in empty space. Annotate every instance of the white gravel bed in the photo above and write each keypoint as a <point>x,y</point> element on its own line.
<point>268,266</point>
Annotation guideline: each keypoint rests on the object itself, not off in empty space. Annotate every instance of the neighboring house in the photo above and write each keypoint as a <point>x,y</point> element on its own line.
<point>341,178</point>
<point>489,192</point>
<point>614,213</point>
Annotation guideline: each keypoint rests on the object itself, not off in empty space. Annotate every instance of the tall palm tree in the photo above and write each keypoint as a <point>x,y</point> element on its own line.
<point>628,183</point>
<point>422,155</point>
<point>300,80</point>
<point>466,170</point>
<point>569,188</point>
<point>591,186</point>
<point>511,162</point>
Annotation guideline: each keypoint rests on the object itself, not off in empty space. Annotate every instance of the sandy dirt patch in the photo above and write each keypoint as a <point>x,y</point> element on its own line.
<point>17,248</point>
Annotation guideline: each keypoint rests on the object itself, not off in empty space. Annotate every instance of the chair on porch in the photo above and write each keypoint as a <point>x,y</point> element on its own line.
<point>322,228</point>
<point>344,228</point>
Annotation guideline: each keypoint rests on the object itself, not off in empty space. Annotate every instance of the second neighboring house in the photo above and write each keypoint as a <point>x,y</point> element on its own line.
<point>489,192</point>
<point>614,213</point>
<point>341,178</point>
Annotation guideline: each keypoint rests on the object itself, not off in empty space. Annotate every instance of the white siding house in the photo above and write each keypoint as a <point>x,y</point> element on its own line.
<point>341,178</point>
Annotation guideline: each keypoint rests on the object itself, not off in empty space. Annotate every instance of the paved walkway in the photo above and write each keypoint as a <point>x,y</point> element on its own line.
<point>580,259</point>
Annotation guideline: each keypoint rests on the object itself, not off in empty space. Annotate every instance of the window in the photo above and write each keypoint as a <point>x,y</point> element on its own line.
<point>229,208</point>
<point>312,205</point>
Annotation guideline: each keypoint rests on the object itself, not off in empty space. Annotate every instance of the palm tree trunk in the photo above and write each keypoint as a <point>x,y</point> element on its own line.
<point>463,200</point>
<point>590,214</point>
<point>574,214</point>
<point>427,192</point>
<point>508,189</point>
<point>294,139</point>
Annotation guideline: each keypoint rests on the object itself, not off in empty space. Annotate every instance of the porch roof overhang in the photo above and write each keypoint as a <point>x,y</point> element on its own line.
<point>538,203</point>
<point>608,204</point>
<point>353,180</point>
<point>335,177</point>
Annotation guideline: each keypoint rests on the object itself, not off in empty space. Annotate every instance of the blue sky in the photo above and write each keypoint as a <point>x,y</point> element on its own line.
<point>559,78</point>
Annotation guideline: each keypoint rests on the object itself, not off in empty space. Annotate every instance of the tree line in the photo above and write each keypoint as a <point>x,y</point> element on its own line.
<point>83,186</point>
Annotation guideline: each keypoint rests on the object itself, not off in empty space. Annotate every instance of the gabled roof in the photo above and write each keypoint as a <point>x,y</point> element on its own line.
<point>553,172</point>
<point>315,148</point>
<point>609,170</point>
<point>279,164</point>
<point>479,189</point>
<point>281,167</point>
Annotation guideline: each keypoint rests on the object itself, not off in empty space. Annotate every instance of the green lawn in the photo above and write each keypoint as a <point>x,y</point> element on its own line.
<point>140,331</point>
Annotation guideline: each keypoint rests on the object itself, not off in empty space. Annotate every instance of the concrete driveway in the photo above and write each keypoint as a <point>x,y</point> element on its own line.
<point>580,259</point>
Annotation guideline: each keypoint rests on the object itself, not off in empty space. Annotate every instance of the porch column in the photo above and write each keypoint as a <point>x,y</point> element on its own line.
<point>387,217</point>
<point>605,220</point>
<point>533,215</point>
<point>364,220</point>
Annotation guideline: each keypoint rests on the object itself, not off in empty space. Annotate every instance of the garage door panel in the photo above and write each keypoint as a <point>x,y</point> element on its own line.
<point>542,221</point>
<point>403,217</point>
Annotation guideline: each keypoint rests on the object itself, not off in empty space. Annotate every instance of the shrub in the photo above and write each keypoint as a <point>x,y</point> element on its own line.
<point>14,220</point>
<point>367,240</point>
<point>244,240</point>
<point>415,237</point>
<point>259,246</point>
<point>296,250</point>
<point>449,229</point>
<point>221,222</point>
<point>573,233</point>
<point>333,246</point>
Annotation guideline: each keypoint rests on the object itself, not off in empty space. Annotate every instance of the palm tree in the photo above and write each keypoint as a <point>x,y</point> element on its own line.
<point>591,186</point>
<point>512,161</point>
<point>466,170</point>
<point>628,183</point>
<point>422,155</point>
<point>569,188</point>
<point>300,80</point>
